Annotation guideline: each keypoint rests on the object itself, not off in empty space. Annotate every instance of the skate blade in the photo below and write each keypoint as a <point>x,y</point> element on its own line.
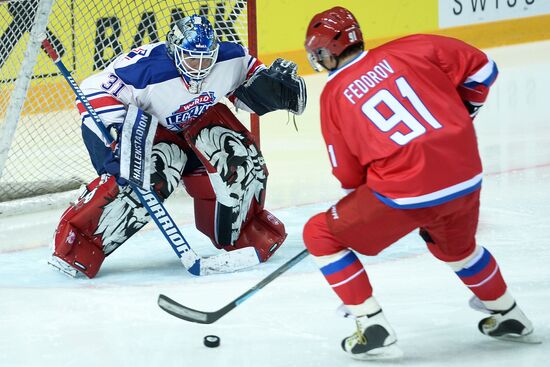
<point>385,353</point>
<point>62,267</point>
<point>524,339</point>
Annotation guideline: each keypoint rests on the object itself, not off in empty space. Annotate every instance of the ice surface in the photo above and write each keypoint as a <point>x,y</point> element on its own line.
<point>47,319</point>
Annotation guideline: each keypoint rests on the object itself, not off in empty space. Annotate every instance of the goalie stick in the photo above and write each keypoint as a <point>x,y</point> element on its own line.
<point>222,263</point>
<point>204,317</point>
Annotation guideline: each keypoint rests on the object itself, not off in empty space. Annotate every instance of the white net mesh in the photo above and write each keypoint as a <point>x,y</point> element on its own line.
<point>47,154</point>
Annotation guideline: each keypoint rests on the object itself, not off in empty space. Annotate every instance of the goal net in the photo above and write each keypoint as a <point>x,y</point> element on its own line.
<point>41,150</point>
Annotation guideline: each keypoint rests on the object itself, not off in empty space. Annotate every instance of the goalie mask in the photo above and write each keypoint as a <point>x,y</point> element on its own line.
<point>330,33</point>
<point>193,47</point>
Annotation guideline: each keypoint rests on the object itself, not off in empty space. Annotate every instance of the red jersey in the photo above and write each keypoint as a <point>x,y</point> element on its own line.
<point>394,118</point>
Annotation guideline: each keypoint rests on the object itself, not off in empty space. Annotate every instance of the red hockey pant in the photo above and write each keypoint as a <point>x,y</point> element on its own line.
<point>362,223</point>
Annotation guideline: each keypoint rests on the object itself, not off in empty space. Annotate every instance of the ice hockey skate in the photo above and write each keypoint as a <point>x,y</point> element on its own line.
<point>374,339</point>
<point>509,325</point>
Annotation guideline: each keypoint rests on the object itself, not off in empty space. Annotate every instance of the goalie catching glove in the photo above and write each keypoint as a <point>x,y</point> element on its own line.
<point>276,88</point>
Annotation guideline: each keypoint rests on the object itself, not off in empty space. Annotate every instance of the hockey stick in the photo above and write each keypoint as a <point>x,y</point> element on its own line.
<point>196,265</point>
<point>203,317</point>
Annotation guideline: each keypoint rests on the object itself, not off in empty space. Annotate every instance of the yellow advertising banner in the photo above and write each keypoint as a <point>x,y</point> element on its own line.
<point>282,24</point>
<point>89,33</point>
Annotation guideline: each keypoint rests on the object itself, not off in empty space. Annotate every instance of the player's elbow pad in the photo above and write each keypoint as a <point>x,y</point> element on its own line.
<point>276,88</point>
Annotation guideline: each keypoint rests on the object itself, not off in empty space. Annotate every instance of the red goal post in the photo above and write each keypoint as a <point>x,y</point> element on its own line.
<point>41,150</point>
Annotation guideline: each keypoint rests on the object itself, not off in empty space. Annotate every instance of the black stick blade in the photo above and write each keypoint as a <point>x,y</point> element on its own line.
<point>188,314</point>
<point>185,313</point>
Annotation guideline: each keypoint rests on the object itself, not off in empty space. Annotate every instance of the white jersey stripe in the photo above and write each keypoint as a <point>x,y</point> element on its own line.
<point>482,74</point>
<point>441,193</point>
<point>349,279</point>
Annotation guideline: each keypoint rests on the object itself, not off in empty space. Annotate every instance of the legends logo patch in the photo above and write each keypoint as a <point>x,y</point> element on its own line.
<point>190,111</point>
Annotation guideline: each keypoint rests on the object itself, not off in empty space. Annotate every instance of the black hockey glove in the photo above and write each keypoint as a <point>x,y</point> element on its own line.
<point>472,107</point>
<point>276,88</point>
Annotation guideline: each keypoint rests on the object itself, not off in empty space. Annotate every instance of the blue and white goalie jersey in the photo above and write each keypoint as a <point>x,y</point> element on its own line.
<point>147,77</point>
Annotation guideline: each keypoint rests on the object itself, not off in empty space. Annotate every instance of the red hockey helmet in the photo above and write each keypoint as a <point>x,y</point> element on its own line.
<point>329,33</point>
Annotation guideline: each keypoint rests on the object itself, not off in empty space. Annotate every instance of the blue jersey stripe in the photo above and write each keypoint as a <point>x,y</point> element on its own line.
<point>488,81</point>
<point>425,204</point>
<point>340,264</point>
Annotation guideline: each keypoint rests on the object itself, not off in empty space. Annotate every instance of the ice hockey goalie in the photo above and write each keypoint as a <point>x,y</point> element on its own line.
<point>199,143</point>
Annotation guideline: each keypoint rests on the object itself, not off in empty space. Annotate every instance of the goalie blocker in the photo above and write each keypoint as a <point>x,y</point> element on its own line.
<point>221,168</point>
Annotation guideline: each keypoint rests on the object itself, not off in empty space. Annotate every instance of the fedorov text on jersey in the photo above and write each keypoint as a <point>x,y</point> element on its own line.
<point>367,80</point>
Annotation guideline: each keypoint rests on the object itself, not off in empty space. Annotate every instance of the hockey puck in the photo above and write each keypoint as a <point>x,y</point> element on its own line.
<point>212,341</point>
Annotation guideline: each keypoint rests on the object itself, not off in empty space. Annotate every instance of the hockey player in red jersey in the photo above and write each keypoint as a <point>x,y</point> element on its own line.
<point>198,141</point>
<point>398,124</point>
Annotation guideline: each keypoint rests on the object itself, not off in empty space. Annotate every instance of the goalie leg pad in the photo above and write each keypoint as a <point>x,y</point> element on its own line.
<point>105,216</point>
<point>75,241</point>
<point>263,230</point>
<point>78,251</point>
<point>236,171</point>
<point>229,201</point>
